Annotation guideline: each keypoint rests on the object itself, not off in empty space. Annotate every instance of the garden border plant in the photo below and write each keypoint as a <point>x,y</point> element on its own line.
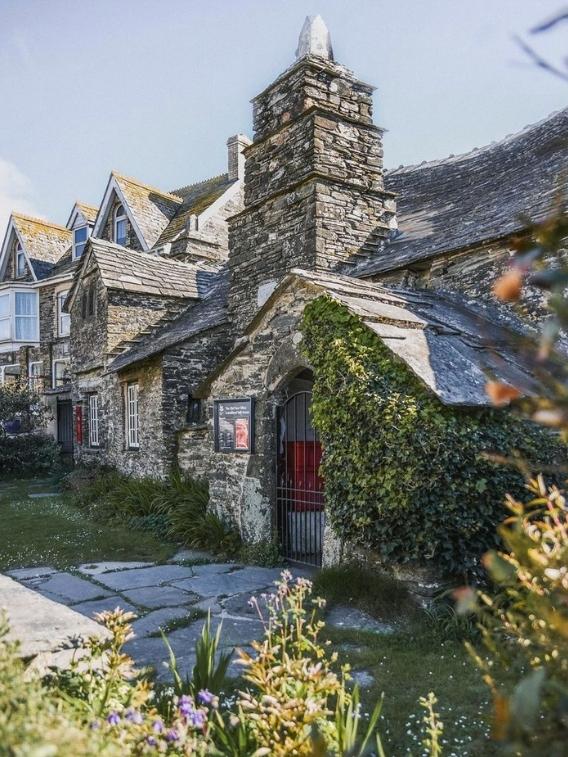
<point>405,475</point>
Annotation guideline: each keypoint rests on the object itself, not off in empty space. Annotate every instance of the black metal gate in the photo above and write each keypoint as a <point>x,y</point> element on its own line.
<point>65,425</point>
<point>299,487</point>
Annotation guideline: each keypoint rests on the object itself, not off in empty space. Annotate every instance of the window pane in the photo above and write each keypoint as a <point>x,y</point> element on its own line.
<point>4,329</point>
<point>80,234</point>
<point>26,328</point>
<point>26,303</point>
<point>79,248</point>
<point>121,232</point>
<point>20,264</point>
<point>4,305</point>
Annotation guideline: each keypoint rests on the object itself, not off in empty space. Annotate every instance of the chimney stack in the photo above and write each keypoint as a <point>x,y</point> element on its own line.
<point>236,159</point>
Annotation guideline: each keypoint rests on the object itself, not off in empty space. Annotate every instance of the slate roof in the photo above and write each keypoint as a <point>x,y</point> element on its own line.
<point>196,198</point>
<point>152,208</point>
<point>143,272</point>
<point>44,242</point>
<point>451,344</point>
<point>483,195</point>
<point>202,316</point>
<point>89,211</point>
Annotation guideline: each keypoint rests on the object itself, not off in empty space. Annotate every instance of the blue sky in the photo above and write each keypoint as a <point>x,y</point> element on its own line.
<point>153,88</point>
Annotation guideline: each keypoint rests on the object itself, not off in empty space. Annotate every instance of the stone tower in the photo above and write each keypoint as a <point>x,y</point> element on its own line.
<point>314,192</point>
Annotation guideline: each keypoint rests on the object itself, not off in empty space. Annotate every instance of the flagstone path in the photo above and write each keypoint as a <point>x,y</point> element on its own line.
<point>178,592</point>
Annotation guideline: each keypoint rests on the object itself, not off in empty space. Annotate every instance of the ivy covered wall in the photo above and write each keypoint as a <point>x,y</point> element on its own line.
<point>405,475</point>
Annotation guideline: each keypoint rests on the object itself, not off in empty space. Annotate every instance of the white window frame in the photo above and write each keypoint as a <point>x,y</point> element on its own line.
<point>20,256</point>
<point>119,219</point>
<point>132,415</point>
<point>12,316</point>
<point>56,361</point>
<point>63,319</point>
<point>3,369</point>
<point>33,377</point>
<point>93,420</point>
<point>81,245</point>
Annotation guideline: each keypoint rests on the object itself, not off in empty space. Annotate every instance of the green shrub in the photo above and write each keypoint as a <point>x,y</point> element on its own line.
<point>28,454</point>
<point>405,475</point>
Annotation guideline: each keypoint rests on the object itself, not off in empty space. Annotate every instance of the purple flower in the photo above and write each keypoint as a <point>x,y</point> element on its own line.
<point>113,718</point>
<point>172,735</point>
<point>185,705</point>
<point>151,741</point>
<point>95,725</point>
<point>157,726</point>
<point>205,696</point>
<point>198,719</point>
<point>133,716</point>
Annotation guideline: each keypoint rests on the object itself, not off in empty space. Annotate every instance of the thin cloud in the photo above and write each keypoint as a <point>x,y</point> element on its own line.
<point>16,193</point>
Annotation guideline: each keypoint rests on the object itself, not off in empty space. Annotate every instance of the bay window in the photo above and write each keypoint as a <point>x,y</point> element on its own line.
<point>19,316</point>
<point>132,420</point>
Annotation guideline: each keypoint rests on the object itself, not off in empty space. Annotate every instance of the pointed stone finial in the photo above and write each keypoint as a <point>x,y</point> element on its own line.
<point>314,39</point>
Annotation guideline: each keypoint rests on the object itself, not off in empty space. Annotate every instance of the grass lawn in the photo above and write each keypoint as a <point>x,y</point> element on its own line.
<point>50,531</point>
<point>405,667</point>
<point>408,664</point>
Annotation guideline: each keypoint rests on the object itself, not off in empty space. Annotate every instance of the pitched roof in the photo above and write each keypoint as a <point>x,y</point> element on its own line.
<point>44,242</point>
<point>89,211</point>
<point>152,208</point>
<point>451,344</point>
<point>196,198</point>
<point>202,316</point>
<point>143,272</point>
<point>483,195</point>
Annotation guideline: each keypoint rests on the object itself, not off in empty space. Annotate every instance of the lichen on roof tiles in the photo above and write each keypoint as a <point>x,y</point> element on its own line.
<point>125,269</point>
<point>44,242</point>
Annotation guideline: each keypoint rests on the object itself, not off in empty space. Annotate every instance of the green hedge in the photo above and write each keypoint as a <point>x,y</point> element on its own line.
<point>404,474</point>
<point>28,454</point>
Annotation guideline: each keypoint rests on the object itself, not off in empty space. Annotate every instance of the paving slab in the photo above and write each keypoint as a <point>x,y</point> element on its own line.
<point>95,569</point>
<point>160,596</point>
<point>101,605</point>
<point>213,569</point>
<point>240,604</point>
<point>353,619</point>
<point>189,555</point>
<point>22,574</point>
<point>153,621</point>
<point>225,584</point>
<point>140,577</point>
<point>40,624</point>
<point>71,589</point>
<point>147,651</point>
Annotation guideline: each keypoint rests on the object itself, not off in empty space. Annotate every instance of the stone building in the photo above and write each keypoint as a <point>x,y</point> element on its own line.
<point>185,305</point>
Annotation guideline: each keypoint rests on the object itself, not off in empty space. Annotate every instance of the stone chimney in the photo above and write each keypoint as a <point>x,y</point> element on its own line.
<point>314,194</point>
<point>236,160</point>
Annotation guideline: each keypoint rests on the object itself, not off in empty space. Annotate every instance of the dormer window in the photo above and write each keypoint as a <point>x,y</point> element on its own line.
<point>20,261</point>
<point>120,228</point>
<point>80,236</point>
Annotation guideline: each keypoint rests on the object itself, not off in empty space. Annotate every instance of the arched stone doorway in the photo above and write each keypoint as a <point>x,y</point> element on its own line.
<point>299,487</point>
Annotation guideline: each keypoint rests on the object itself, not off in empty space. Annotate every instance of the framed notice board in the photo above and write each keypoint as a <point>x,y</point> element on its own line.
<point>234,425</point>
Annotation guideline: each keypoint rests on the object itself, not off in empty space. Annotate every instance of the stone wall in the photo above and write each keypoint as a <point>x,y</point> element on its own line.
<point>242,486</point>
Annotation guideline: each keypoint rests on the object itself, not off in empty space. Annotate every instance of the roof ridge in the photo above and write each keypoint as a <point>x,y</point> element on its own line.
<point>148,255</point>
<point>40,221</point>
<point>475,150</point>
<point>197,183</point>
<point>86,205</point>
<point>142,184</point>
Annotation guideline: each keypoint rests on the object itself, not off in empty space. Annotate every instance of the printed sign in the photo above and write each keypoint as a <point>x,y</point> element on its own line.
<point>234,425</point>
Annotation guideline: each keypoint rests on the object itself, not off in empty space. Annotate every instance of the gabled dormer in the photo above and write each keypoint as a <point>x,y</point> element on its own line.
<point>31,248</point>
<point>80,224</point>
<point>133,214</point>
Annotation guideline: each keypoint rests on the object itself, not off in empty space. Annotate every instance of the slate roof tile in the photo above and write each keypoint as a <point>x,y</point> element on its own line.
<point>44,242</point>
<point>483,195</point>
